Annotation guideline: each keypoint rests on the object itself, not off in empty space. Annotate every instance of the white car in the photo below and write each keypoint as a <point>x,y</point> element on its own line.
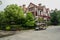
<point>37,28</point>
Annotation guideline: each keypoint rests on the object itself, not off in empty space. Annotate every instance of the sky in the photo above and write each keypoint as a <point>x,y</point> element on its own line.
<point>51,4</point>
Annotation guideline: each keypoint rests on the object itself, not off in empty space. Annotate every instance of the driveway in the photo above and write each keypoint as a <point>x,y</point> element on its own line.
<point>51,33</point>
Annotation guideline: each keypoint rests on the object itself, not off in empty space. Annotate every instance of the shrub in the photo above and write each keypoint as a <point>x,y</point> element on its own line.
<point>30,22</point>
<point>8,28</point>
<point>16,27</point>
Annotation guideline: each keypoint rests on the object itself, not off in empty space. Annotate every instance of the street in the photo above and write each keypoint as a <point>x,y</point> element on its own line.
<point>51,33</point>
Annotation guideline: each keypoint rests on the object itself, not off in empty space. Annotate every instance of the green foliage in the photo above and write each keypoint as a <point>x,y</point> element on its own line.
<point>8,28</point>
<point>30,16</point>
<point>54,18</point>
<point>58,15</point>
<point>30,22</point>
<point>14,13</point>
<point>16,27</point>
<point>48,23</point>
<point>2,18</point>
<point>40,19</point>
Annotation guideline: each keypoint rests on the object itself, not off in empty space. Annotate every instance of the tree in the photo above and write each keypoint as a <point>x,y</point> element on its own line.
<point>29,16</point>
<point>29,20</point>
<point>14,13</point>
<point>0,2</point>
<point>40,19</point>
<point>2,18</point>
<point>54,18</point>
<point>58,15</point>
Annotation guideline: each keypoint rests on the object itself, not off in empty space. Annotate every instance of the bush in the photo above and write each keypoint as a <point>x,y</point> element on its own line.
<point>40,19</point>
<point>11,27</point>
<point>30,22</point>
<point>8,28</point>
<point>16,27</point>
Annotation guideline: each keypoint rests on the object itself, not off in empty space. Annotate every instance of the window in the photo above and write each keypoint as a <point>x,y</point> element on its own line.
<point>39,12</point>
<point>31,9</point>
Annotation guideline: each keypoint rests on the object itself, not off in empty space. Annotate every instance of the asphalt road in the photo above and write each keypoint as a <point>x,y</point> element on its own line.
<point>51,33</point>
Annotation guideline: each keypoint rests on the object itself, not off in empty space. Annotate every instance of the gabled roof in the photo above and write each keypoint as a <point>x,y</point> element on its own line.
<point>39,7</point>
<point>32,4</point>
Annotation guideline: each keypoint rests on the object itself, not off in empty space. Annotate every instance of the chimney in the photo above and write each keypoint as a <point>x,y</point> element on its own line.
<point>24,6</point>
<point>39,4</point>
<point>31,3</point>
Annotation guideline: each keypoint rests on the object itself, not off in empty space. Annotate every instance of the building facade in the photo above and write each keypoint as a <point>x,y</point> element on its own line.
<point>38,11</point>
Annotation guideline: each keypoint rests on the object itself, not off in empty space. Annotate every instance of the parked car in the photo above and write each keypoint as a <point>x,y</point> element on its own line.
<point>37,28</point>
